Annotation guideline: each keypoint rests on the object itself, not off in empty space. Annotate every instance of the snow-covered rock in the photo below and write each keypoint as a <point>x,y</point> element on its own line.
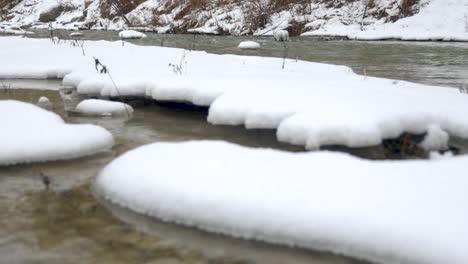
<point>388,212</point>
<point>103,107</point>
<point>131,34</point>
<point>310,104</point>
<point>76,34</point>
<point>31,134</point>
<point>249,45</point>
<point>281,35</point>
<point>44,102</point>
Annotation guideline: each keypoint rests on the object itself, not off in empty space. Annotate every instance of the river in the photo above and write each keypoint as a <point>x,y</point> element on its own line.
<point>69,224</point>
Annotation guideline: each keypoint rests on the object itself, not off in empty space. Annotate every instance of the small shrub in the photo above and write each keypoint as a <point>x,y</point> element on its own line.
<point>296,28</point>
<point>407,7</point>
<point>112,8</point>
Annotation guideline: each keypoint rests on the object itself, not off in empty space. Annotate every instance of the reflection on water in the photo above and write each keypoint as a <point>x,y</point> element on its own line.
<point>436,63</point>
<point>68,224</point>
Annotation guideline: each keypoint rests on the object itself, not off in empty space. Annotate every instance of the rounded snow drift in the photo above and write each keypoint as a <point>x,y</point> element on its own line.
<point>76,34</point>
<point>249,45</point>
<point>385,212</point>
<point>131,34</point>
<point>97,107</point>
<point>31,134</point>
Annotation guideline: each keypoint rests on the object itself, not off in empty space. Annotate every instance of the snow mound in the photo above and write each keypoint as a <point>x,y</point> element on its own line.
<point>45,103</point>
<point>76,34</point>
<point>103,107</point>
<point>389,212</point>
<point>31,134</point>
<point>249,45</point>
<point>43,100</point>
<point>131,34</point>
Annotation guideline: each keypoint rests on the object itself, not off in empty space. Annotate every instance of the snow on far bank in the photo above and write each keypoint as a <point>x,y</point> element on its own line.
<point>249,45</point>
<point>388,212</point>
<point>367,20</point>
<point>12,30</point>
<point>31,134</point>
<point>103,107</point>
<point>445,20</point>
<point>131,34</point>
<point>309,104</point>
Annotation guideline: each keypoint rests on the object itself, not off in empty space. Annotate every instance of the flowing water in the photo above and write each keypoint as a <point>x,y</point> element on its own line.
<point>69,224</point>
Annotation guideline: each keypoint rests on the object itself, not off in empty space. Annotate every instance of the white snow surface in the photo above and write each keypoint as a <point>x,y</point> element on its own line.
<point>383,211</point>
<point>445,20</point>
<point>131,34</point>
<point>309,104</point>
<point>31,134</point>
<point>103,107</point>
<point>249,45</point>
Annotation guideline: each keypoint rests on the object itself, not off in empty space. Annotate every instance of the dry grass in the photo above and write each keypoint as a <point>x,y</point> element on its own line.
<point>407,7</point>
<point>191,6</point>
<point>113,8</point>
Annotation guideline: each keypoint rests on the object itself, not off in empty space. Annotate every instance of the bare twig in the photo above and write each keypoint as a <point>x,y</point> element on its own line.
<point>102,69</point>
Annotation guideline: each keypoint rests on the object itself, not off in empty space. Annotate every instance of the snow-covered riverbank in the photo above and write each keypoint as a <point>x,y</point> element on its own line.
<point>309,104</point>
<point>442,20</point>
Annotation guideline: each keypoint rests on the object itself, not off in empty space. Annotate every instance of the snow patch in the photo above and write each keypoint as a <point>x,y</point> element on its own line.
<point>103,107</point>
<point>387,212</point>
<point>31,134</point>
<point>249,45</point>
<point>131,34</point>
<point>76,34</point>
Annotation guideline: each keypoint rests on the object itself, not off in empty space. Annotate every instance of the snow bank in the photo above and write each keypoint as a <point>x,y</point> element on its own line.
<point>309,104</point>
<point>31,134</point>
<point>437,20</point>
<point>389,212</point>
<point>131,34</point>
<point>249,45</point>
<point>103,107</point>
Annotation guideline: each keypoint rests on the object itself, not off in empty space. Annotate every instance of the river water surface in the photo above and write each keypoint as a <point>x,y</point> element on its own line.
<point>69,224</point>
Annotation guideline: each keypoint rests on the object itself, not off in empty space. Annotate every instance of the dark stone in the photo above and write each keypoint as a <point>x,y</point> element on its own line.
<point>55,12</point>
<point>406,146</point>
<point>52,14</point>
